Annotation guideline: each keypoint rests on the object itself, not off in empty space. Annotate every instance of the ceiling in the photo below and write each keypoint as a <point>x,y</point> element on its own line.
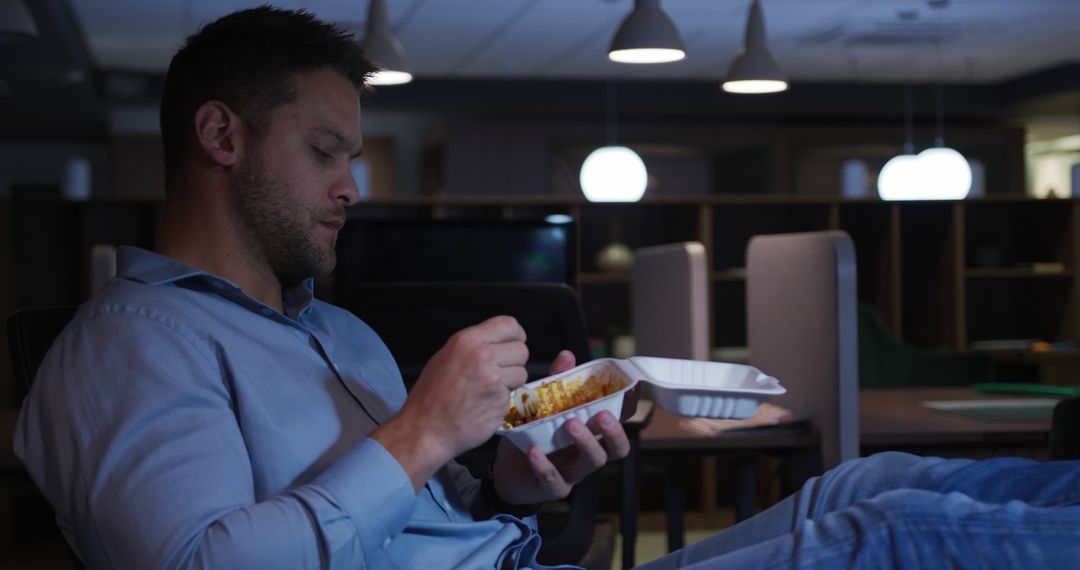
<point>848,59</point>
<point>814,40</point>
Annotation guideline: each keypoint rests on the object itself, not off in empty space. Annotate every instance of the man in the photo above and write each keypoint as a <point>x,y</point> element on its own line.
<point>203,410</point>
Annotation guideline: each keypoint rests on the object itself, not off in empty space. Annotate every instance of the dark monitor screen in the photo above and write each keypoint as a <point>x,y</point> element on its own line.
<point>389,250</point>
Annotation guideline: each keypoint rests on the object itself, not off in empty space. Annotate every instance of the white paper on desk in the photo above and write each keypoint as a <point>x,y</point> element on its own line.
<point>1003,409</point>
<point>768,414</point>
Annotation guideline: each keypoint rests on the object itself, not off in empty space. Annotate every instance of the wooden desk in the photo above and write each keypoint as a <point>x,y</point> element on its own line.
<point>894,418</point>
<point>889,419</point>
<point>665,434</point>
<point>797,444</point>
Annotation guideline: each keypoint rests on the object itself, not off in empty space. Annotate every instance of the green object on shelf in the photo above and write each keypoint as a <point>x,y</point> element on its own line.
<point>1014,388</point>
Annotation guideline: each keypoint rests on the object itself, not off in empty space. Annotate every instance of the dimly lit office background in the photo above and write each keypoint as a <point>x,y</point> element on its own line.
<point>509,97</point>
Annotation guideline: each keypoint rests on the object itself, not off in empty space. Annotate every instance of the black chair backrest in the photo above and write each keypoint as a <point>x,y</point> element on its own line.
<point>416,319</point>
<point>1065,429</point>
<point>31,331</point>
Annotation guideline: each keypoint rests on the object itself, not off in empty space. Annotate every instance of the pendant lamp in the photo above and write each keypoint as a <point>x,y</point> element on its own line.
<point>936,173</point>
<point>900,177</point>
<point>613,173</point>
<point>755,70</point>
<point>383,49</point>
<point>647,35</point>
<point>16,22</point>
<point>947,174</point>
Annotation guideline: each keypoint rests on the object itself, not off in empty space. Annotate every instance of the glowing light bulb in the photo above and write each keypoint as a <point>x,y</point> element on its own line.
<point>613,174</point>
<point>939,173</point>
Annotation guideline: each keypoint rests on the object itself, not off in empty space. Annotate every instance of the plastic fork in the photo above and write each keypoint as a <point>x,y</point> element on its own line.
<point>526,401</point>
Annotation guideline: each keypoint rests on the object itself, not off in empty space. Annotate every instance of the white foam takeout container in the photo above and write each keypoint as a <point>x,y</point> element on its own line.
<point>682,387</point>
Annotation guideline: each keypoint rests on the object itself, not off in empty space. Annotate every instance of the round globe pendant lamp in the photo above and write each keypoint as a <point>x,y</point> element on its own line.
<point>936,173</point>
<point>900,178</point>
<point>613,174</point>
<point>946,173</point>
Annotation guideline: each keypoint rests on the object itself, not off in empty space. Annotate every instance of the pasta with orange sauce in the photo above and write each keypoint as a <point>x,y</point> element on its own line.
<point>562,394</point>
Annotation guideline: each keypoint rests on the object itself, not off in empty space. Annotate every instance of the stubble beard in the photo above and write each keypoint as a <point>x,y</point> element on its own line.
<point>282,229</point>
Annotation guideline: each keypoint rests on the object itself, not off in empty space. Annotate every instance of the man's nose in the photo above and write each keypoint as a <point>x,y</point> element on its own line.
<point>345,189</point>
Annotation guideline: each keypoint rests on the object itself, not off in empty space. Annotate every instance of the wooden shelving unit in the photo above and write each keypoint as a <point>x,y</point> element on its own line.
<point>941,274</point>
<point>1015,273</point>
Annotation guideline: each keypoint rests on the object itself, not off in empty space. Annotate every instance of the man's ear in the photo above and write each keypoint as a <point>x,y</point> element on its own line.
<point>218,130</point>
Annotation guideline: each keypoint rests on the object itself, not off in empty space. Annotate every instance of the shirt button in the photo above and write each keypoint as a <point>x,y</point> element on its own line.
<point>446,504</point>
<point>386,543</point>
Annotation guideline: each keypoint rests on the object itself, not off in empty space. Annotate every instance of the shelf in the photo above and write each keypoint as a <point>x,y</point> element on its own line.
<point>729,275</point>
<point>595,277</point>
<point>1019,308</point>
<point>941,274</point>
<point>1014,273</point>
<point>1027,355</point>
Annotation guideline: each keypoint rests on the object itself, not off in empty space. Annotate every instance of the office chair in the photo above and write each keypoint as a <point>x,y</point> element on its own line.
<point>886,361</point>
<point>801,328</point>
<point>31,331</point>
<point>416,319</point>
<point>1065,429</point>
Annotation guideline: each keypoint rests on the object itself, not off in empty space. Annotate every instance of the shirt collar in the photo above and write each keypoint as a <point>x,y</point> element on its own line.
<point>144,266</point>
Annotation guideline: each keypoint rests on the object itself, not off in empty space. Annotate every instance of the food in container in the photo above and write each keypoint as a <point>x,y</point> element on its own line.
<point>683,387</point>
<point>553,396</point>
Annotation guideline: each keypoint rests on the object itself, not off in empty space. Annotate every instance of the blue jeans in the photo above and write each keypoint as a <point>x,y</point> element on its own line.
<point>895,510</point>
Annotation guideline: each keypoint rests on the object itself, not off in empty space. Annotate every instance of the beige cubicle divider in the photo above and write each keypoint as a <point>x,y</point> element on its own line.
<point>669,301</point>
<point>802,329</point>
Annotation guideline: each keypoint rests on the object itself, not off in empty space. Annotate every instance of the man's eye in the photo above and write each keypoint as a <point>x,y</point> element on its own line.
<point>321,154</point>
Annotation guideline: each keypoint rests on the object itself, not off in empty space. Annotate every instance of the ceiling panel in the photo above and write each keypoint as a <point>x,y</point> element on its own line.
<point>571,33</point>
<point>443,36</point>
<point>868,40</point>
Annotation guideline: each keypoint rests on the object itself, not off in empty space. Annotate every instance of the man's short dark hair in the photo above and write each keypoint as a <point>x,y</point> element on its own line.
<point>247,60</point>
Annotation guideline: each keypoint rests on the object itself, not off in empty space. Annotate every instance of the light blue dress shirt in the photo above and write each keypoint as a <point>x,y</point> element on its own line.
<point>178,423</point>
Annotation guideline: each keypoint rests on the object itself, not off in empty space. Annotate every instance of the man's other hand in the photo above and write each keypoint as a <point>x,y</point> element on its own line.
<point>534,477</point>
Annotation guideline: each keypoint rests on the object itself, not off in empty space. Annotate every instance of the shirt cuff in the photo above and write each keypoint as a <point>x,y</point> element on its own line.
<point>371,486</point>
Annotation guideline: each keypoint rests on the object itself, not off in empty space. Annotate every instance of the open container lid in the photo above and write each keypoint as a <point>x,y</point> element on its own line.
<point>706,389</point>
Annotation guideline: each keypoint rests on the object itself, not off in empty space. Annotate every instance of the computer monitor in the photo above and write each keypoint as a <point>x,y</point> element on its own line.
<point>426,251</point>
